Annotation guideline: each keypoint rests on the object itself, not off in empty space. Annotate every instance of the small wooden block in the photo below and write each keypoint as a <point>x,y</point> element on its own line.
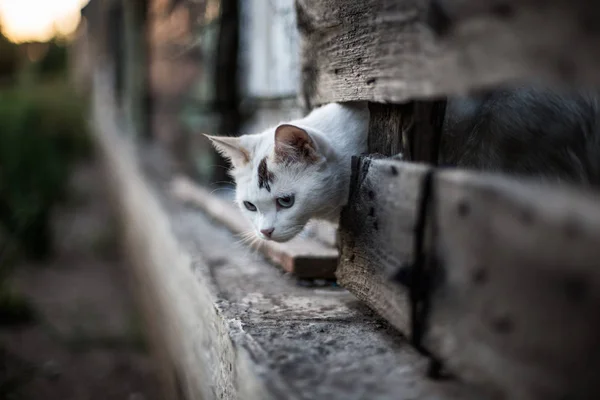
<point>304,257</point>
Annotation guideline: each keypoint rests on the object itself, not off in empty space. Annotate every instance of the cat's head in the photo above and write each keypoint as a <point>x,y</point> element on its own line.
<point>282,179</point>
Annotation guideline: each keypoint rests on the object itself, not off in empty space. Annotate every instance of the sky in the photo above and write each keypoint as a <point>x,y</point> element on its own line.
<point>39,20</point>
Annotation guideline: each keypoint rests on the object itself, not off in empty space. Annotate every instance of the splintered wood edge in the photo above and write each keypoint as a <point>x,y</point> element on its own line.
<point>305,258</point>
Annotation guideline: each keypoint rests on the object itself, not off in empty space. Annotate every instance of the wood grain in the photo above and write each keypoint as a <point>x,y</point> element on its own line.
<point>503,289</point>
<point>304,257</point>
<point>385,127</point>
<point>398,50</point>
<point>413,129</point>
<point>518,292</point>
<point>377,234</point>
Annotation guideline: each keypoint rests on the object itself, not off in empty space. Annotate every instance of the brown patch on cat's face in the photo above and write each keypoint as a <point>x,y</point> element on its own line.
<point>265,177</point>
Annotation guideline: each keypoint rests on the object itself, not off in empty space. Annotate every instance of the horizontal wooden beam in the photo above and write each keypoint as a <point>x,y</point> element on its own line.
<point>498,279</point>
<point>304,257</point>
<point>395,50</point>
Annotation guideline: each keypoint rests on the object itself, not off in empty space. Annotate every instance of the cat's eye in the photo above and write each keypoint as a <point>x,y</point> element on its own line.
<point>249,206</point>
<point>286,201</point>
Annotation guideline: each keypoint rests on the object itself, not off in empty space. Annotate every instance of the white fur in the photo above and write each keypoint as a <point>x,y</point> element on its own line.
<point>339,131</point>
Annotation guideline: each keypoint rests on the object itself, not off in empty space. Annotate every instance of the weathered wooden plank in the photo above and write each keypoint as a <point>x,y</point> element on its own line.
<point>519,292</point>
<point>304,257</point>
<point>381,246</point>
<point>395,50</point>
<point>500,278</point>
<point>377,234</point>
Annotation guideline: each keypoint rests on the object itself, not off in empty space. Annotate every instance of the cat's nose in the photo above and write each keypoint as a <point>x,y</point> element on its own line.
<point>267,232</point>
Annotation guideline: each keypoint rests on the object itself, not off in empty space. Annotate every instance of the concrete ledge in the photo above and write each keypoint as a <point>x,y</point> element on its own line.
<point>229,325</point>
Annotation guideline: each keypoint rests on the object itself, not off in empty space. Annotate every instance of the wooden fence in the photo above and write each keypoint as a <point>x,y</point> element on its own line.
<point>493,278</point>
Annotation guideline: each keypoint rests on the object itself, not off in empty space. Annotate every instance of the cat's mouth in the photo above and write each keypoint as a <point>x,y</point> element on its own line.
<point>279,237</point>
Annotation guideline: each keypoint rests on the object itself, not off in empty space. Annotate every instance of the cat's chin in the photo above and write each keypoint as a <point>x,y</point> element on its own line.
<point>278,240</point>
<point>283,239</point>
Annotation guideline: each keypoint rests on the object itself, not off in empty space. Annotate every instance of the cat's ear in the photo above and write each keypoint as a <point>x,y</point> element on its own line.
<point>293,144</point>
<point>231,148</point>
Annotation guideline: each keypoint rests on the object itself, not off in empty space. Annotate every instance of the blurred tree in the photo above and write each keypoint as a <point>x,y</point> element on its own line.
<point>9,58</point>
<point>55,60</point>
<point>43,132</point>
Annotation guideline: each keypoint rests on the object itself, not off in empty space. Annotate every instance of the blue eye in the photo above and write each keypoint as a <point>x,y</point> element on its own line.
<point>286,201</point>
<point>249,206</point>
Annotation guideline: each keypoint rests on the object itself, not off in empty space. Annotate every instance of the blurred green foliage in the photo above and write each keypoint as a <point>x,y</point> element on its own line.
<point>43,132</point>
<point>14,58</point>
<point>54,61</point>
<point>9,58</point>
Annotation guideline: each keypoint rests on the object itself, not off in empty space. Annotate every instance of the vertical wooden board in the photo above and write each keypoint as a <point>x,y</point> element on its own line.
<point>385,127</point>
<point>376,234</point>
<point>422,140</point>
<point>517,303</point>
<point>226,81</point>
<point>413,129</point>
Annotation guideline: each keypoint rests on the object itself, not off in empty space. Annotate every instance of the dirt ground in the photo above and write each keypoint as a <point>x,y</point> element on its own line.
<point>87,341</point>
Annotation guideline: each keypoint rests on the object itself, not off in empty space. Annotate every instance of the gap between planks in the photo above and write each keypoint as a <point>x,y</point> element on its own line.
<point>304,257</point>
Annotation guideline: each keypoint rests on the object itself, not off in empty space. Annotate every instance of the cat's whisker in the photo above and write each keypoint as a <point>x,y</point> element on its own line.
<point>255,245</point>
<point>243,241</point>
<point>246,237</point>
<point>259,247</point>
<point>226,189</point>
<point>242,234</point>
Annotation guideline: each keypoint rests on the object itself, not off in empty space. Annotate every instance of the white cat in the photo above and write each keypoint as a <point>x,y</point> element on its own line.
<point>298,170</point>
